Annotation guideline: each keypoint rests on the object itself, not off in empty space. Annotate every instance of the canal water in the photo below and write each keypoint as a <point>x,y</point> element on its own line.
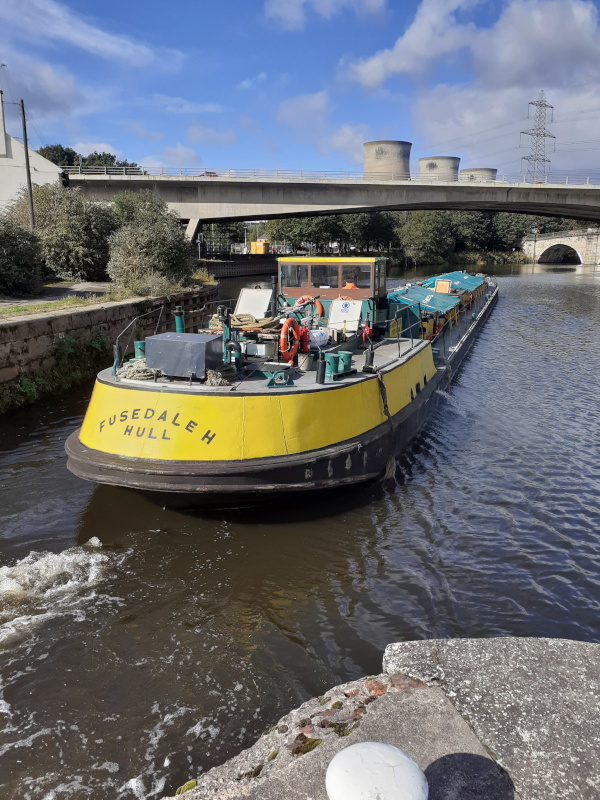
<point>140,646</point>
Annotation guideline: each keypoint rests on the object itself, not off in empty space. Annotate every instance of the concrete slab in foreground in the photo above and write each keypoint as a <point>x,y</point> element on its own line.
<point>492,719</point>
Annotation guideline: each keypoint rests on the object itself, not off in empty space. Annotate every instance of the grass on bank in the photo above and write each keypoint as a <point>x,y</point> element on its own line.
<point>114,294</point>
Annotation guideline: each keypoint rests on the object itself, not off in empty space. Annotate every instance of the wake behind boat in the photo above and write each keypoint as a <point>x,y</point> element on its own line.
<point>317,384</point>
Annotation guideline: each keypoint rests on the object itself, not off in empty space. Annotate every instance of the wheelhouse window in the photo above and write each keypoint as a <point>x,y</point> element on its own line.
<point>324,276</point>
<point>294,275</point>
<point>356,276</point>
<point>382,278</point>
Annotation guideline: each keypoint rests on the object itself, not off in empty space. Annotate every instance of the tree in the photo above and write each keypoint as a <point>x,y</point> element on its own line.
<point>291,231</point>
<point>74,231</point>
<point>425,236</point>
<point>20,259</point>
<point>471,230</point>
<point>106,160</point>
<point>149,253</point>
<point>67,157</point>
<point>59,155</point>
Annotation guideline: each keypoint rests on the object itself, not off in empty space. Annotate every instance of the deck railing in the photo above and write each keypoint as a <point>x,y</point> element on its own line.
<point>344,176</point>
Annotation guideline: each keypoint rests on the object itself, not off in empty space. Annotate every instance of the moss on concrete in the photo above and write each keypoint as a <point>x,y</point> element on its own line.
<point>75,362</point>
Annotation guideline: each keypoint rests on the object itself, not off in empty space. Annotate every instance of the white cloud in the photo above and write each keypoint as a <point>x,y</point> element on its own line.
<point>85,148</point>
<point>248,83</point>
<point>308,116</point>
<point>143,133</point>
<point>461,121</point>
<point>249,124</point>
<point>179,105</point>
<point>552,43</point>
<point>349,140</point>
<point>200,134</point>
<point>180,156</point>
<point>51,94</point>
<point>532,44</point>
<point>433,33</point>
<point>291,14</point>
<point>154,162</point>
<point>46,19</point>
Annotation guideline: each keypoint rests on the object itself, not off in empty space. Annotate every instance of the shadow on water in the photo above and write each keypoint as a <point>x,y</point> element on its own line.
<point>113,510</point>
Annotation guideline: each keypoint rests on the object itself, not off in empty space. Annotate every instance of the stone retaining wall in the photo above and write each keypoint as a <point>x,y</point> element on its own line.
<point>28,344</point>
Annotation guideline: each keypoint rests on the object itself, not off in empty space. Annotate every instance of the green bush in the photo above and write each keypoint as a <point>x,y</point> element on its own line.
<point>74,231</point>
<point>20,259</point>
<point>149,253</point>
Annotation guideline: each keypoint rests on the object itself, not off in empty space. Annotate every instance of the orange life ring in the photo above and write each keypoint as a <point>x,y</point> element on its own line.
<point>315,301</point>
<point>288,352</point>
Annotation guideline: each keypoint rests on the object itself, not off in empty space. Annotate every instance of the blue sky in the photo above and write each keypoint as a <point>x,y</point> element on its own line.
<point>300,84</point>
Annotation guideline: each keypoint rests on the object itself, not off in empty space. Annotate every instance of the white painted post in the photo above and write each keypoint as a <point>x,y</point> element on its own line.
<point>566,180</point>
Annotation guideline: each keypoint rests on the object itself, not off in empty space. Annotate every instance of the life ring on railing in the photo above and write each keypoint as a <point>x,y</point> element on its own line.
<point>289,351</point>
<point>315,301</point>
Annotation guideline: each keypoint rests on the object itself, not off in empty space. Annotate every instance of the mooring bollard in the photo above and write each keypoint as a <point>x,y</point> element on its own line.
<point>374,771</point>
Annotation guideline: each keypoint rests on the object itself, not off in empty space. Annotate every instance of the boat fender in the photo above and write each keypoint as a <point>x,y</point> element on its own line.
<point>289,351</point>
<point>314,301</point>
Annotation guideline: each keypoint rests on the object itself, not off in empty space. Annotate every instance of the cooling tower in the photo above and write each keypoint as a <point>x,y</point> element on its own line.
<point>387,160</point>
<point>478,174</point>
<point>439,168</point>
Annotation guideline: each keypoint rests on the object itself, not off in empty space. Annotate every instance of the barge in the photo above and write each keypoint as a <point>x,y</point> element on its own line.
<point>317,383</point>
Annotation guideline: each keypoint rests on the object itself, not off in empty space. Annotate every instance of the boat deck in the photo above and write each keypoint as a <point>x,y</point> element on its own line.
<point>388,353</point>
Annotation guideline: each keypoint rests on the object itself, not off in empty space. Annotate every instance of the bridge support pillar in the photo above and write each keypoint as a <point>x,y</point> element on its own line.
<point>192,228</point>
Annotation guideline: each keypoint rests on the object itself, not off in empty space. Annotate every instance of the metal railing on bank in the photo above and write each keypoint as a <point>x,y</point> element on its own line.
<point>552,179</point>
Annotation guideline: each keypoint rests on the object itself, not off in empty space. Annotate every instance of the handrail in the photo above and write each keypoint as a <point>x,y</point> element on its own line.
<point>345,176</point>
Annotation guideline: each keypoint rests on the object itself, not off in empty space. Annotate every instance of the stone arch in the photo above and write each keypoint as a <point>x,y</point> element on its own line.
<point>560,254</point>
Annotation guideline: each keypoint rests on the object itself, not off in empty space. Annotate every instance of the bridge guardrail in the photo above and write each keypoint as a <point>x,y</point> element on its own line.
<point>553,179</point>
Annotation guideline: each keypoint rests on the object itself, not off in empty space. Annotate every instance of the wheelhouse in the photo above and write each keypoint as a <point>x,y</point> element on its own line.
<point>328,278</point>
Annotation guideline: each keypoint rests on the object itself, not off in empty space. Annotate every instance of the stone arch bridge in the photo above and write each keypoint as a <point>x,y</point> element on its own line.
<point>581,246</point>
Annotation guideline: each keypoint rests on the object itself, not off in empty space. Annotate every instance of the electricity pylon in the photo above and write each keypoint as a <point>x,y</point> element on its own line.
<point>536,160</point>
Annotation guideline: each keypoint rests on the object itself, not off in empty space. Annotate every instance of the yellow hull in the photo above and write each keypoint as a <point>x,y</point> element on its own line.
<point>175,424</point>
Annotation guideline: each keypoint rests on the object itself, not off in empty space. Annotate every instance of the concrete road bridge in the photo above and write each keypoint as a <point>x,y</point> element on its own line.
<point>228,195</point>
<point>580,246</point>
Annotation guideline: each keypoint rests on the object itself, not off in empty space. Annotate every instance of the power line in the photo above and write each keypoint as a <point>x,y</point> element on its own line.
<point>464,142</point>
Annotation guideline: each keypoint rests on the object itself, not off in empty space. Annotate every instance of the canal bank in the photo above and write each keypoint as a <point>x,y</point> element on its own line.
<point>51,352</point>
<point>485,719</point>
